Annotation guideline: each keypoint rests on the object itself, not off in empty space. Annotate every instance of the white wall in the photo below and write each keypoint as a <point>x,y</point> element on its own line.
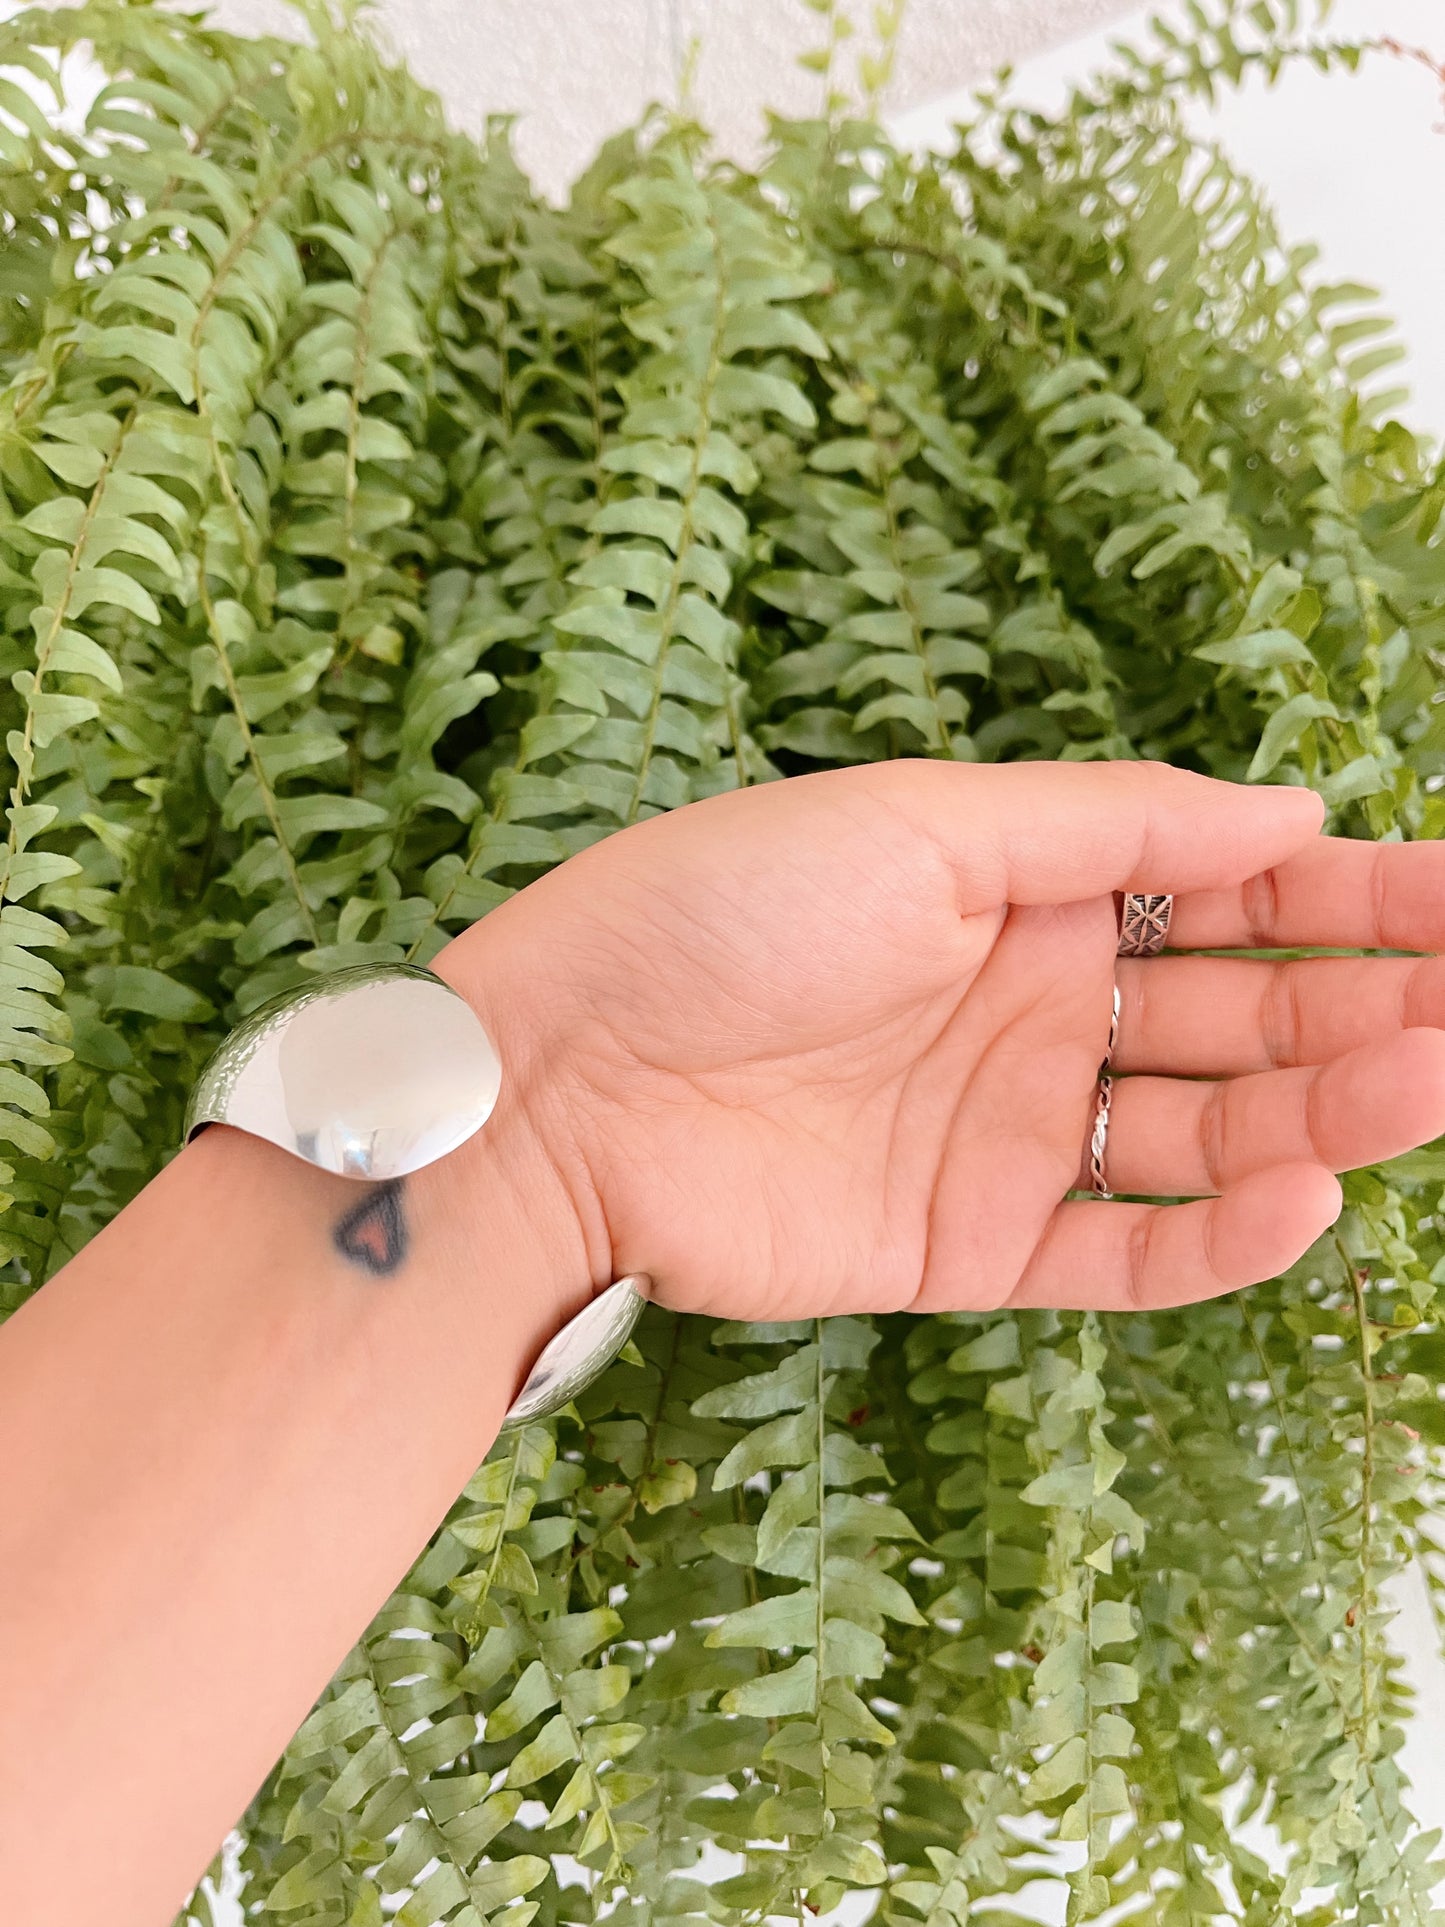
<point>574,71</point>
<point>1356,163</point>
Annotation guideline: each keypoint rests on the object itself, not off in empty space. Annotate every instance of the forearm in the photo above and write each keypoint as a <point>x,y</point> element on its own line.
<point>227,1439</point>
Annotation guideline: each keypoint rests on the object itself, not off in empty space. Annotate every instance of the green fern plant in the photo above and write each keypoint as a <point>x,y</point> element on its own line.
<point>374,535</point>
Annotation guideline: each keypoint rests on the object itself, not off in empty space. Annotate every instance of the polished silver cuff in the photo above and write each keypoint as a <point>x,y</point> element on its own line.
<point>584,1348</point>
<point>374,1073</point>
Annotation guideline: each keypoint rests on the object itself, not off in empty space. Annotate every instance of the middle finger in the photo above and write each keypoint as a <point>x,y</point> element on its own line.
<point>1224,1016</point>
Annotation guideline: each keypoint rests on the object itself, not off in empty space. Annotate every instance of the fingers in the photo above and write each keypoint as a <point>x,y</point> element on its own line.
<point>1221,1016</point>
<point>1134,1257</point>
<point>1169,1137</point>
<point>1060,832</point>
<point>1334,892</point>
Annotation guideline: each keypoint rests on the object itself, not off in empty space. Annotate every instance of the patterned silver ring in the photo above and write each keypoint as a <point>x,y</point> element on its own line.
<point>1144,924</point>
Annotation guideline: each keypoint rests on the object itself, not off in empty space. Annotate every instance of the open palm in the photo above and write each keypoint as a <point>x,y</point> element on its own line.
<point>832,1044</point>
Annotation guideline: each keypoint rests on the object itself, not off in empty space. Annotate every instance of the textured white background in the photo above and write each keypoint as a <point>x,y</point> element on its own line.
<point>577,70</point>
<point>1354,163</point>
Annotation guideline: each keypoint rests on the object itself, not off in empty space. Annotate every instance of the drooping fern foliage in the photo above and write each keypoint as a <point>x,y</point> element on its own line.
<point>373,535</point>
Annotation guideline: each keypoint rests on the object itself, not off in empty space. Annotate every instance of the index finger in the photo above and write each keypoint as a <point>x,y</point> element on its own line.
<point>1041,833</point>
<point>1336,893</point>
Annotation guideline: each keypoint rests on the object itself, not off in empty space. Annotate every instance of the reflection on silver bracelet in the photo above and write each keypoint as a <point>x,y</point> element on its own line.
<point>374,1073</point>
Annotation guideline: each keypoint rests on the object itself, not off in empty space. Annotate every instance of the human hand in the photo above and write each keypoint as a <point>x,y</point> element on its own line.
<point>832,1044</point>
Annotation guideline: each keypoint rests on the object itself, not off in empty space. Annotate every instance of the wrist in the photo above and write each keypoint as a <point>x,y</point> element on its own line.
<point>502,1231</point>
<point>523,1166</point>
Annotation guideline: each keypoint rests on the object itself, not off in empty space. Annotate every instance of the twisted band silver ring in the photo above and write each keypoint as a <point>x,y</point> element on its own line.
<point>1098,1142</point>
<point>1143,924</point>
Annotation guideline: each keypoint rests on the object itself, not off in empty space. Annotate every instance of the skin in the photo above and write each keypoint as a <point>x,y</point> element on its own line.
<point>845,1031</point>
<point>824,1046</point>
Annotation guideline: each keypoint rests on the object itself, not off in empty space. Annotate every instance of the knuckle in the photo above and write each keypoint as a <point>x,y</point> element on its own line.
<point>1137,1248</point>
<point>1214,1135</point>
<point>1315,1112</point>
<point>1281,1019</point>
<point>1379,885</point>
<point>1260,896</point>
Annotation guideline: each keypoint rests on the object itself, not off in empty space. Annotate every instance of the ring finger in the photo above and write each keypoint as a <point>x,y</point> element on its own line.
<point>1175,1138</point>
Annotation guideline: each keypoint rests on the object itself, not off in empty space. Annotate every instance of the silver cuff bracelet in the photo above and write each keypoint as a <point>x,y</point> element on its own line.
<point>373,1073</point>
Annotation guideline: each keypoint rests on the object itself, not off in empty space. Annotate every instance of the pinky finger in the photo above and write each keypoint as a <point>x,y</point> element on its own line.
<point>1141,1257</point>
